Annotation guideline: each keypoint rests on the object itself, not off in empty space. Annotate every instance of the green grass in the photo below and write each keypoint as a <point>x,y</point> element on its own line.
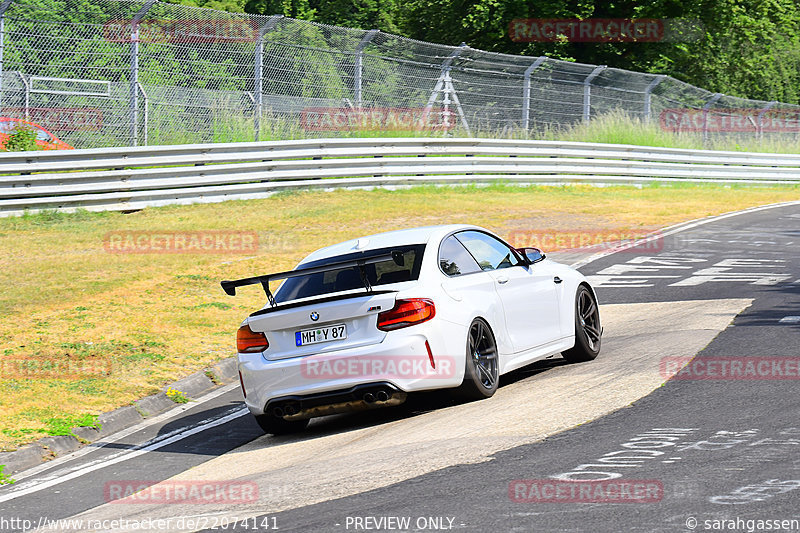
<point>54,424</point>
<point>5,479</point>
<point>617,127</point>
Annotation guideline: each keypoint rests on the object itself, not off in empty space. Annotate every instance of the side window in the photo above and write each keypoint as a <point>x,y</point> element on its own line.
<point>454,260</point>
<point>490,253</point>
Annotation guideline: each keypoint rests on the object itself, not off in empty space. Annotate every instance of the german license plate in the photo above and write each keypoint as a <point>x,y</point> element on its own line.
<point>335,332</point>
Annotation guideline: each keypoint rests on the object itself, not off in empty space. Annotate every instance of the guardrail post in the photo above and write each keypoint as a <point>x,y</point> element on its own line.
<point>760,123</point>
<point>648,95</point>
<point>714,98</point>
<point>258,89</point>
<point>587,92</point>
<point>134,90</point>
<point>359,72</point>
<point>526,92</point>
<point>3,8</point>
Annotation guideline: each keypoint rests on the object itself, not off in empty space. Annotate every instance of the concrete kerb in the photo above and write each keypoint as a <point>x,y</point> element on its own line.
<point>47,448</point>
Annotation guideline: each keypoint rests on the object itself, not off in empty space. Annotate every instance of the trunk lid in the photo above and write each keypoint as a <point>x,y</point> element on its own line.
<point>357,312</point>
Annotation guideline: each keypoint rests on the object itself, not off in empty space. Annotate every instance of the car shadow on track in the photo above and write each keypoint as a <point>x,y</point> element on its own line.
<point>241,430</point>
<point>417,404</point>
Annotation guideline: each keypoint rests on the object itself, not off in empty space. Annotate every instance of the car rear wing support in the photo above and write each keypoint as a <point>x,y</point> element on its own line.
<point>358,264</point>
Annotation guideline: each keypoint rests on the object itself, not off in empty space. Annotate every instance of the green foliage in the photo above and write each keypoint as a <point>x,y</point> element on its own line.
<point>22,140</point>
<point>5,479</point>
<point>748,48</point>
<point>235,6</point>
<point>383,15</point>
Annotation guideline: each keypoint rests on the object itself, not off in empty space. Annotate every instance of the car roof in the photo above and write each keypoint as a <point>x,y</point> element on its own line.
<point>422,235</point>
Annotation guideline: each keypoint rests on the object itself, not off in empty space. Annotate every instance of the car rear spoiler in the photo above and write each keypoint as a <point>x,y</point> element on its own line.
<point>358,264</point>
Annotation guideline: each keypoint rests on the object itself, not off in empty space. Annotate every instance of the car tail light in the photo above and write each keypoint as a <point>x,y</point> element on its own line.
<point>249,341</point>
<point>406,313</point>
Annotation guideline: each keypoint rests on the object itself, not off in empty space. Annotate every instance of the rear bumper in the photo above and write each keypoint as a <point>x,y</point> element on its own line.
<point>401,361</point>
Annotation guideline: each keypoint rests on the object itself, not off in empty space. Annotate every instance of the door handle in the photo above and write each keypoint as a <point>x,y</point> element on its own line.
<point>502,280</point>
<point>557,279</point>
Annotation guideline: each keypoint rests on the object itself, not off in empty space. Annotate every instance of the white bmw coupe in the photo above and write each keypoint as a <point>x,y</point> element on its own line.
<point>360,324</point>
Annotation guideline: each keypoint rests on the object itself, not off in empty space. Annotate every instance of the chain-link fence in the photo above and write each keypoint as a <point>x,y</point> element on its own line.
<point>128,72</point>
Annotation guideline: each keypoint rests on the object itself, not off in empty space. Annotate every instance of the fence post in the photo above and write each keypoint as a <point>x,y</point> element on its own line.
<point>258,89</point>
<point>3,8</point>
<point>760,125</point>
<point>26,100</point>
<point>714,98</point>
<point>587,92</point>
<point>359,65</point>
<point>648,95</point>
<point>134,89</point>
<point>146,111</point>
<point>526,92</point>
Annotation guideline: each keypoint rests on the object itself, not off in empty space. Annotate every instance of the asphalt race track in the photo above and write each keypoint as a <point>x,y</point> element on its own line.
<point>695,454</point>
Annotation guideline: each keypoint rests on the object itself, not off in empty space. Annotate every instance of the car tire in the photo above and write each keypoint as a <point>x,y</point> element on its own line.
<point>481,373</point>
<point>278,426</point>
<point>588,332</point>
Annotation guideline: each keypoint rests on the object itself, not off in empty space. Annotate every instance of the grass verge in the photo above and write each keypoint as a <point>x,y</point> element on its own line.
<point>613,127</point>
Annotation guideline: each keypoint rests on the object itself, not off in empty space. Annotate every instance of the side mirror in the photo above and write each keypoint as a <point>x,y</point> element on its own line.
<point>531,255</point>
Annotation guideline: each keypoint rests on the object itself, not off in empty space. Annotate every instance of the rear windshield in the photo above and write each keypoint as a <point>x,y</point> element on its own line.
<point>381,273</point>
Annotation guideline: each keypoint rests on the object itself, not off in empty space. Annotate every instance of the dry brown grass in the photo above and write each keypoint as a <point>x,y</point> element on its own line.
<point>158,317</point>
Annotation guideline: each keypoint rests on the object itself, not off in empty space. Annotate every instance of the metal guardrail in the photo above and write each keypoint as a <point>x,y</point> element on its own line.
<point>138,177</point>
